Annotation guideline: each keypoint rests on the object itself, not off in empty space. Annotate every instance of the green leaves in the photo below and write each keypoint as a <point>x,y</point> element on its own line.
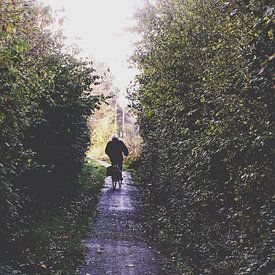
<point>205,106</point>
<point>44,106</point>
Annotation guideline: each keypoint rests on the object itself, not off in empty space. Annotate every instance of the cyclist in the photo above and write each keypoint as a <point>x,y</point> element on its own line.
<point>115,149</point>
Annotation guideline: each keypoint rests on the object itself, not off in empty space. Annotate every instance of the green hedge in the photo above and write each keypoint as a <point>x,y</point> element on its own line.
<point>45,101</point>
<point>206,112</point>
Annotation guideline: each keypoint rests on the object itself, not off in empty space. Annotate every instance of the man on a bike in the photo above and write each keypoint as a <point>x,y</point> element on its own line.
<point>115,149</point>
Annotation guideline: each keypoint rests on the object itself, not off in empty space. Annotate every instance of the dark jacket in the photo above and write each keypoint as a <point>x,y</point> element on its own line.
<point>115,150</point>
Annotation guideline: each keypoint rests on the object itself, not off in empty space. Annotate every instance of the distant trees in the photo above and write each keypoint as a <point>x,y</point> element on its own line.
<point>205,108</point>
<point>113,116</point>
<point>102,124</point>
<point>45,102</point>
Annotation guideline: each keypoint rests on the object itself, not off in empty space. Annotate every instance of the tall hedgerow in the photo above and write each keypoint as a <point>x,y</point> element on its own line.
<point>206,113</point>
<point>44,105</point>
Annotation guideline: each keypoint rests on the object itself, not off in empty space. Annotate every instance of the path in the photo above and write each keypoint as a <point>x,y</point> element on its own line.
<point>117,243</point>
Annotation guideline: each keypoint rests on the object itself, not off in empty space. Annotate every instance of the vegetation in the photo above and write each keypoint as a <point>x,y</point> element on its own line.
<point>45,101</point>
<point>205,106</point>
<point>111,118</point>
<point>52,243</point>
<point>103,123</point>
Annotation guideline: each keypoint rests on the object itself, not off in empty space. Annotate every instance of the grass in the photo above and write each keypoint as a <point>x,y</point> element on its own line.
<point>53,244</point>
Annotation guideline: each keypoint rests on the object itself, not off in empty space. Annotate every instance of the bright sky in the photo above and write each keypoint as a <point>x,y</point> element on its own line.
<point>98,27</point>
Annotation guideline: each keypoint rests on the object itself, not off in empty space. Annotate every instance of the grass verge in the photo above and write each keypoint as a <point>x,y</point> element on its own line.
<point>53,244</point>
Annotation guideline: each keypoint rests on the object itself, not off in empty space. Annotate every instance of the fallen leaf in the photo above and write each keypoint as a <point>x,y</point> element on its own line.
<point>43,266</point>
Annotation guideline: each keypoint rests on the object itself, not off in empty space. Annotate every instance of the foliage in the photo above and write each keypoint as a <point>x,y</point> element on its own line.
<point>52,243</point>
<point>206,113</point>
<point>102,126</point>
<point>103,122</point>
<point>111,118</point>
<point>44,105</point>
<point>5,269</point>
<point>60,137</point>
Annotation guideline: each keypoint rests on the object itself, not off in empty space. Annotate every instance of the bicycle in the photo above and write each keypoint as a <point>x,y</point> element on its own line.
<point>116,176</point>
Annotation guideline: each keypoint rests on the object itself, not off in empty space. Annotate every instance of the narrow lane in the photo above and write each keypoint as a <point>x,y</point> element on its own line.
<point>117,243</point>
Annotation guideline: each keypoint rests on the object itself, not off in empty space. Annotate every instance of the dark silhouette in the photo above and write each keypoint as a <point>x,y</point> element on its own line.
<point>115,149</point>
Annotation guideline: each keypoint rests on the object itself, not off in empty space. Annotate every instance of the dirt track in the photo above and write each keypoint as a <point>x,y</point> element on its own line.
<point>117,242</point>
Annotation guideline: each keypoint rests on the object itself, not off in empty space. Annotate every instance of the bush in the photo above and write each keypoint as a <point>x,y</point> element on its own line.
<point>206,112</point>
<point>44,105</point>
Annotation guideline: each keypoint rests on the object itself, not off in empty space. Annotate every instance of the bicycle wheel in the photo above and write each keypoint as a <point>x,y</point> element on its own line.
<point>114,182</point>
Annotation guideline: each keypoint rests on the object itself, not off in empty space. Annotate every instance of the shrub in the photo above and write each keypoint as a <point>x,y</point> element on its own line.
<point>206,115</point>
<point>44,104</point>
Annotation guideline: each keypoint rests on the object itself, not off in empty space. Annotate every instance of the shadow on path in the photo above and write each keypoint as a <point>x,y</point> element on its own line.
<point>117,243</point>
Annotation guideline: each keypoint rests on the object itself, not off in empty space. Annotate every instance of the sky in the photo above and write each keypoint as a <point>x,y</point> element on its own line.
<point>99,28</point>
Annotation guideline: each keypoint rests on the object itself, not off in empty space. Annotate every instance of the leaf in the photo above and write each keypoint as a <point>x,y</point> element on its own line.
<point>225,5</point>
<point>269,11</point>
<point>43,266</point>
<point>234,12</point>
<point>202,99</point>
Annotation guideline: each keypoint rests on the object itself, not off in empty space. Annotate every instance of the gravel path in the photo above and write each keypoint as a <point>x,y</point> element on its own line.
<point>117,243</point>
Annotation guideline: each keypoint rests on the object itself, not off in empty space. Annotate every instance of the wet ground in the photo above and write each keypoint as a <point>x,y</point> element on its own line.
<point>117,243</point>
